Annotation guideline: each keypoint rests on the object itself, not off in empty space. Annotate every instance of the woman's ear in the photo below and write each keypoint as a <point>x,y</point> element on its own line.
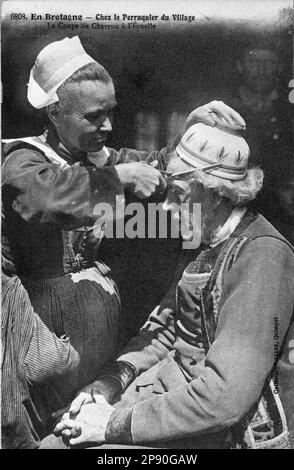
<point>53,113</point>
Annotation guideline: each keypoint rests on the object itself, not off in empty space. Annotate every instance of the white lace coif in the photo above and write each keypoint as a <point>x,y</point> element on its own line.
<point>54,64</point>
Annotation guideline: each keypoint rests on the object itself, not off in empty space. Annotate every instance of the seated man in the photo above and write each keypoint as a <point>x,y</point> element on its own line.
<point>201,373</point>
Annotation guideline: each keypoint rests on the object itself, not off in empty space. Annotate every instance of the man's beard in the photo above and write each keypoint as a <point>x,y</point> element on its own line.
<point>208,229</point>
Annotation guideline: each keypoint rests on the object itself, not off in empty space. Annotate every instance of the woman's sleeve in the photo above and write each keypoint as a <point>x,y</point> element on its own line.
<point>40,191</point>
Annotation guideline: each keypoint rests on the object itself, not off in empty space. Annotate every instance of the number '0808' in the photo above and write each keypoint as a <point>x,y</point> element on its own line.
<point>18,16</point>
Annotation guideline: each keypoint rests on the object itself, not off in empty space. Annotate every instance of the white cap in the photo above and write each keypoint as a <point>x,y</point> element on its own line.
<point>222,153</point>
<point>54,64</point>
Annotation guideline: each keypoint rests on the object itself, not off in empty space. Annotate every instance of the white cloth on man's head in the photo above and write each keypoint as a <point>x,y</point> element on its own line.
<point>217,151</point>
<point>54,64</point>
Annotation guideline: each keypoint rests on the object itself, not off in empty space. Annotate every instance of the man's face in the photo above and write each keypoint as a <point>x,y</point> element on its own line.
<point>259,68</point>
<point>84,113</point>
<point>182,192</point>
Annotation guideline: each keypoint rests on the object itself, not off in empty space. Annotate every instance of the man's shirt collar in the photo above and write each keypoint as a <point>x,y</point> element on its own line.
<point>229,226</point>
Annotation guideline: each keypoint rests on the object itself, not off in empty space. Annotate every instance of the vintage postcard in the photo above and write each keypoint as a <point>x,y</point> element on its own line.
<point>148,226</point>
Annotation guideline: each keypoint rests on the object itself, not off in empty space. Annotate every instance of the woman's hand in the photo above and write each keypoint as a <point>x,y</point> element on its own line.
<point>216,112</point>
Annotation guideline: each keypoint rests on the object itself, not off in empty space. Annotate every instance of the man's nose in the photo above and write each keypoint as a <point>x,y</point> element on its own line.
<point>106,125</point>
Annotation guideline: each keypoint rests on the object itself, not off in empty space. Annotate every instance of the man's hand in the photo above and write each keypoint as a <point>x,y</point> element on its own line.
<point>89,426</point>
<point>216,112</point>
<point>142,178</point>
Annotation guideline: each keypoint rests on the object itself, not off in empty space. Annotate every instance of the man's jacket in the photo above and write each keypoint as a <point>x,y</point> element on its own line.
<point>206,354</point>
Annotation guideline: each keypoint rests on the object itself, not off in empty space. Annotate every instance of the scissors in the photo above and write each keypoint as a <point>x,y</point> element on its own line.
<point>170,176</point>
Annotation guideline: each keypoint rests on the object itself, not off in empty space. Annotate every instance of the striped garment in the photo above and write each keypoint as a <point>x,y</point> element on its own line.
<point>41,372</point>
<point>18,418</point>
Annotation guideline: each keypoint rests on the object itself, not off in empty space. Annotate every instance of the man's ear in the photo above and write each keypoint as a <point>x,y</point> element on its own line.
<point>215,199</point>
<point>53,112</point>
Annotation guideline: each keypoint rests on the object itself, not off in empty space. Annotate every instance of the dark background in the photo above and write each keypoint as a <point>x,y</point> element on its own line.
<point>173,69</point>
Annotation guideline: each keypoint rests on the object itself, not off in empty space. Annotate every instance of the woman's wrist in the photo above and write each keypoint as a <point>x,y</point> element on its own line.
<point>122,372</point>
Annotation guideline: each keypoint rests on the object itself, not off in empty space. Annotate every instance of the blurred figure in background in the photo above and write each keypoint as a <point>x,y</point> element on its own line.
<point>267,112</point>
<point>259,97</point>
<point>258,68</point>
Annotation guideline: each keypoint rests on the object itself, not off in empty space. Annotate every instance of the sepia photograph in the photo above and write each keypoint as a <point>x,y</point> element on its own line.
<point>147,227</point>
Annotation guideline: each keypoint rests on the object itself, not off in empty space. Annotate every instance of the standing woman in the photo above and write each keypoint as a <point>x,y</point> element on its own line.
<point>52,186</point>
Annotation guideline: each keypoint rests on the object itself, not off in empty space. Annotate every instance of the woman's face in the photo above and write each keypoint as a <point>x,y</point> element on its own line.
<point>189,202</point>
<point>83,121</point>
